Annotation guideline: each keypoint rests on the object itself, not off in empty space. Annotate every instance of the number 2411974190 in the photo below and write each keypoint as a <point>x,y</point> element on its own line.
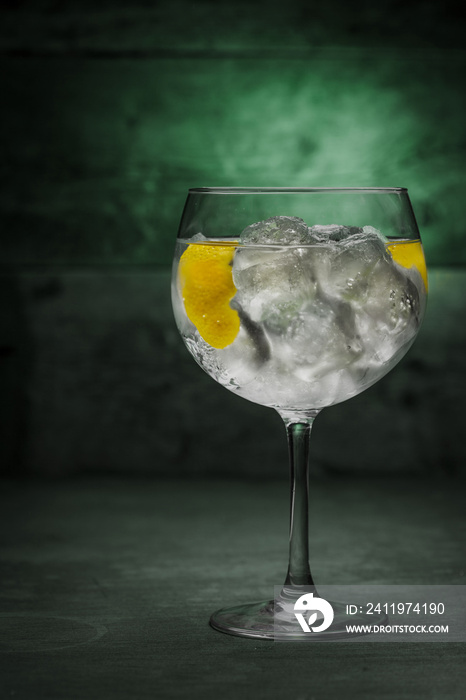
<point>405,608</point>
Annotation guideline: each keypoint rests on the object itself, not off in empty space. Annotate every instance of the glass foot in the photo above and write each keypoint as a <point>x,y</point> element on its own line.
<point>277,619</point>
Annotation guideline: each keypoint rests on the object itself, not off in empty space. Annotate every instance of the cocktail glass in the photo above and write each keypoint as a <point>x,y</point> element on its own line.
<point>297,299</point>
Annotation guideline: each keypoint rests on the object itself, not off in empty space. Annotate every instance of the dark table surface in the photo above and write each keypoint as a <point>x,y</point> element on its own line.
<point>107,586</point>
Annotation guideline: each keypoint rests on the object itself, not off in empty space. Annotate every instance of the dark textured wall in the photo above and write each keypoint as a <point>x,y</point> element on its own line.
<point>110,112</point>
<point>98,380</point>
<point>113,110</point>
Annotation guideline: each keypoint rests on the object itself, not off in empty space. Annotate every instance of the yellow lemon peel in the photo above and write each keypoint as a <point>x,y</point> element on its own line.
<point>409,254</point>
<point>206,280</point>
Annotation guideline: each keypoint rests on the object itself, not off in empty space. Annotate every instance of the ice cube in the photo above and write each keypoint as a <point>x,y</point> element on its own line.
<point>278,230</point>
<point>346,269</point>
<point>391,307</point>
<point>320,233</point>
<point>272,284</point>
<point>322,337</point>
<point>385,302</point>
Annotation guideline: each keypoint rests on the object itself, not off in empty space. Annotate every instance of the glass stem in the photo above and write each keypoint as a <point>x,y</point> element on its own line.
<point>298,431</point>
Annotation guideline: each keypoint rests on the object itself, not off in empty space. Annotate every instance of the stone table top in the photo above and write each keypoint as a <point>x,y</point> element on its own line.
<point>107,586</point>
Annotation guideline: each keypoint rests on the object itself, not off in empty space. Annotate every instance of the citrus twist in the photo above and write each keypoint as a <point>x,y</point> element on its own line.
<point>410,254</point>
<point>206,279</point>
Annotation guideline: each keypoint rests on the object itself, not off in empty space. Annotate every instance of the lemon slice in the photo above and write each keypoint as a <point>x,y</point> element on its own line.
<point>206,279</point>
<point>410,254</point>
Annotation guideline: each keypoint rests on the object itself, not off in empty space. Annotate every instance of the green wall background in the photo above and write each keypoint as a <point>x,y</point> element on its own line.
<point>110,112</point>
<point>113,110</point>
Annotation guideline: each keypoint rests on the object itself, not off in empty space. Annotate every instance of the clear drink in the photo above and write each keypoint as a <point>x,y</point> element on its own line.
<point>301,325</point>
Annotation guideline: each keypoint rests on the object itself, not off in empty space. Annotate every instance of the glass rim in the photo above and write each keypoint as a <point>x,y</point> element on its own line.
<point>296,190</point>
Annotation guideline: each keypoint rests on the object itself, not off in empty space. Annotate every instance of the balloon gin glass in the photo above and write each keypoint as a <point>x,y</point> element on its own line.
<point>296,299</point>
